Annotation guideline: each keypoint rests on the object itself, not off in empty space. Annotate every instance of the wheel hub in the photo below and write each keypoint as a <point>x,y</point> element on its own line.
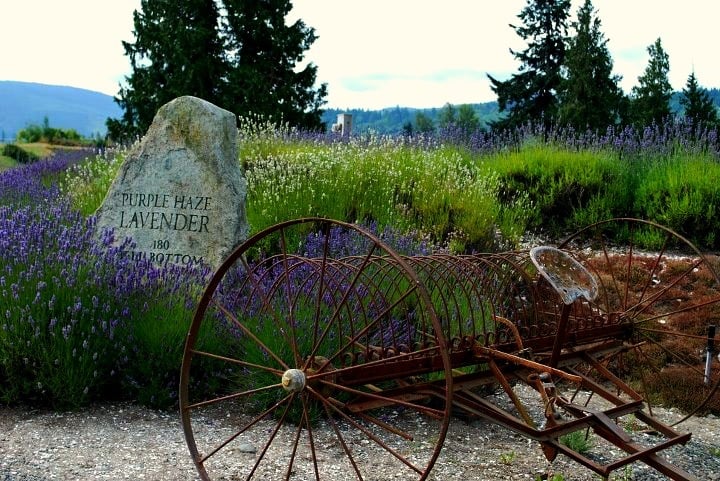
<point>293,380</point>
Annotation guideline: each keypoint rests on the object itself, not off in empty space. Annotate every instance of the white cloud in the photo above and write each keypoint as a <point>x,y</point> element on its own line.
<point>74,42</point>
<point>372,53</point>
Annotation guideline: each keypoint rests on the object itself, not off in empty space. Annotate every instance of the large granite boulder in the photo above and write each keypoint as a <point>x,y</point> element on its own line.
<point>180,193</point>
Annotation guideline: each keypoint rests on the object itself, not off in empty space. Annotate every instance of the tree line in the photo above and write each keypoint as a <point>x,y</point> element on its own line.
<point>237,54</point>
<point>241,56</point>
<point>567,79</point>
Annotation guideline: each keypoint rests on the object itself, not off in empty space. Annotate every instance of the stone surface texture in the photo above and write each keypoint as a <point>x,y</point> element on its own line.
<point>180,193</point>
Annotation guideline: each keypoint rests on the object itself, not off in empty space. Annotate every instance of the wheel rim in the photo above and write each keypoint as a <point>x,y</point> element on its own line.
<point>649,293</point>
<point>312,345</point>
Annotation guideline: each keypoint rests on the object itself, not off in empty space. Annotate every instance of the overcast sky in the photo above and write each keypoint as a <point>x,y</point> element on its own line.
<point>371,53</point>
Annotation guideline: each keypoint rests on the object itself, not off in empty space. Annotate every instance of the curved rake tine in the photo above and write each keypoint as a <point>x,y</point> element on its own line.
<point>429,411</point>
<point>311,439</point>
<point>233,396</point>
<point>342,302</point>
<point>237,361</point>
<point>370,435</point>
<point>250,334</point>
<point>272,436</point>
<point>253,422</point>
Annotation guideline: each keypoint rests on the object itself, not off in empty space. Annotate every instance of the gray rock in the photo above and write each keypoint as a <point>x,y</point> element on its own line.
<point>180,193</point>
<point>247,448</point>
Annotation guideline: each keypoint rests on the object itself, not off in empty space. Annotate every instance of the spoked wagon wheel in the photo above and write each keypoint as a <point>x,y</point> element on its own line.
<point>313,354</point>
<point>661,294</point>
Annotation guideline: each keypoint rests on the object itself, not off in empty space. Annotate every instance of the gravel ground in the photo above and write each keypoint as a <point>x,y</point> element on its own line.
<point>125,441</point>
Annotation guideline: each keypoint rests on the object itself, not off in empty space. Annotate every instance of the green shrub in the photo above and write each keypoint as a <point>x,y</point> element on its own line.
<point>18,154</point>
<point>86,183</point>
<point>161,317</point>
<point>682,193</point>
<point>578,441</point>
<point>565,188</point>
<point>441,192</point>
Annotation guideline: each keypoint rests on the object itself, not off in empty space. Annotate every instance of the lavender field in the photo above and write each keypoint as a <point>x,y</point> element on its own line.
<point>81,322</point>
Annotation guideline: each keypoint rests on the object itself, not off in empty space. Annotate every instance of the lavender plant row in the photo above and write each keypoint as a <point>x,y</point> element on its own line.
<point>675,135</point>
<point>70,305</point>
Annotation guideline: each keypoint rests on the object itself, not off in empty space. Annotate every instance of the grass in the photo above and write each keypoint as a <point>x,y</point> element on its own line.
<point>508,457</point>
<point>455,198</point>
<point>39,149</point>
<point>6,163</point>
<point>578,441</point>
<point>441,192</point>
<point>87,183</point>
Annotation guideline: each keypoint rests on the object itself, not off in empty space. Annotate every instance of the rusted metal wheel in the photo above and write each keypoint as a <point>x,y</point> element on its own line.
<point>315,341</point>
<point>659,294</point>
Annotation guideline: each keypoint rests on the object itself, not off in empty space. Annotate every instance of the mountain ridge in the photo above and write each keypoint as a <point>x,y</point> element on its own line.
<point>66,107</point>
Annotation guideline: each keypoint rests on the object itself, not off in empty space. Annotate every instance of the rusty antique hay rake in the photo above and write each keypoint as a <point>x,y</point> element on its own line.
<point>324,343</point>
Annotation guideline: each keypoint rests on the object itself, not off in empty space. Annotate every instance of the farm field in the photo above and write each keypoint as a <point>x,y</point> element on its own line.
<point>457,194</point>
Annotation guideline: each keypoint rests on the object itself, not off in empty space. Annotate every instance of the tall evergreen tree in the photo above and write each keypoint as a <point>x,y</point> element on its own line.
<point>447,116</point>
<point>423,123</point>
<point>177,51</point>
<point>531,94</point>
<point>650,99</point>
<point>237,54</point>
<point>590,95</point>
<point>467,118</point>
<point>264,55</point>
<point>699,108</point>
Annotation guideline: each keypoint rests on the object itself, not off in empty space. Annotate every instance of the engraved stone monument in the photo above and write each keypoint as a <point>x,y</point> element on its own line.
<point>180,193</point>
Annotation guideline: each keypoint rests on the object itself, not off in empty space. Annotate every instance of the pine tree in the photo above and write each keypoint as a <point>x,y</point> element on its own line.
<point>699,108</point>
<point>237,54</point>
<point>447,116</point>
<point>265,52</point>
<point>467,118</point>
<point>590,96</point>
<point>650,99</point>
<point>531,94</point>
<point>177,51</point>
<point>423,123</point>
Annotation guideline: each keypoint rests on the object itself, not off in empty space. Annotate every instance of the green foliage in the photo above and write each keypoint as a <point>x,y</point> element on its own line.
<point>423,123</point>
<point>452,196</point>
<point>447,116</point>
<point>650,99</point>
<point>590,96</point>
<point>467,118</point>
<point>86,183</point>
<point>565,188</point>
<point>393,120</point>
<point>61,335</point>
<point>161,319</point>
<point>681,193</point>
<point>18,154</point>
<point>264,64</point>
<point>698,107</point>
<point>578,441</point>
<point>238,55</point>
<point>441,192</point>
<point>508,458</point>
<point>531,94</point>
<point>7,162</point>
<point>178,51</point>
<point>44,133</point>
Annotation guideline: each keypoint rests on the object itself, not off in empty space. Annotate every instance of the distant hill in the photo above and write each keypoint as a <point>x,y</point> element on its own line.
<point>392,120</point>
<point>25,103</point>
